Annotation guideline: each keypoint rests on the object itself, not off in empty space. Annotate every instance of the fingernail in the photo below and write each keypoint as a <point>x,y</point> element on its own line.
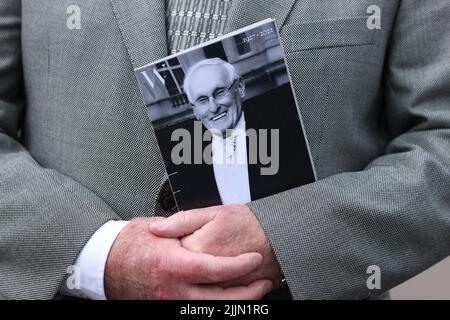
<point>258,259</point>
<point>268,286</point>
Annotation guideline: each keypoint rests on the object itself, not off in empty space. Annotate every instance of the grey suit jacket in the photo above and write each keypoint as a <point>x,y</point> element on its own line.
<point>77,149</point>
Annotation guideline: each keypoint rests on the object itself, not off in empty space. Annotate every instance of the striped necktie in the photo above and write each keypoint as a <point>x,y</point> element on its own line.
<point>190,22</point>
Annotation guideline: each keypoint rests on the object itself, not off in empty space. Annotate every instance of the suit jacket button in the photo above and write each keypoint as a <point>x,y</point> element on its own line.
<point>166,201</point>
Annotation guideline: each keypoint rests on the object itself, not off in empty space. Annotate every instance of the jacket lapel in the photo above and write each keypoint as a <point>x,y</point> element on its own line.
<point>245,12</point>
<point>143,27</point>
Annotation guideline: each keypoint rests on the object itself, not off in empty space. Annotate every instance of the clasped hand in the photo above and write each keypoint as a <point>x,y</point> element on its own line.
<point>212,253</point>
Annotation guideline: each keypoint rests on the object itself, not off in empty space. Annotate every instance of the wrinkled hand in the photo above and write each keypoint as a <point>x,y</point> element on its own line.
<point>228,230</point>
<point>143,266</point>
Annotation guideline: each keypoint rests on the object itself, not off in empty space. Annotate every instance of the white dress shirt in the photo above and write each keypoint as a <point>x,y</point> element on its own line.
<point>230,165</point>
<point>91,262</point>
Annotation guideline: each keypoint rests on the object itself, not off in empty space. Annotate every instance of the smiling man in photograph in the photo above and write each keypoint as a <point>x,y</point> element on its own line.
<point>252,155</point>
<point>216,92</point>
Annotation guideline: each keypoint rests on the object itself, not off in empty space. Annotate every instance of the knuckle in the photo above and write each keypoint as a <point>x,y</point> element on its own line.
<point>171,272</point>
<point>166,267</point>
<point>196,269</point>
<point>194,296</point>
<point>149,260</point>
<point>225,213</point>
<point>157,292</point>
<point>161,292</point>
<point>190,272</point>
<point>156,219</point>
<point>212,273</point>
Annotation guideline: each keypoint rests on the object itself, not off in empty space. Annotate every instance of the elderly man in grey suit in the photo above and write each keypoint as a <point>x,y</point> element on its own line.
<point>78,156</point>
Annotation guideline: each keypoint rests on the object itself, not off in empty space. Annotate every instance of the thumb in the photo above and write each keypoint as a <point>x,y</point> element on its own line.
<point>182,223</point>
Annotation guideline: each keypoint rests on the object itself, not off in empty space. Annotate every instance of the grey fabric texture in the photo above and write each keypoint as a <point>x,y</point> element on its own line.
<point>77,148</point>
<point>381,152</point>
<point>45,216</point>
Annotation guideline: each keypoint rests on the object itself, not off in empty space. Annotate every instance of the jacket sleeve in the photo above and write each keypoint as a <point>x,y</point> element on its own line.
<point>45,217</point>
<point>394,214</point>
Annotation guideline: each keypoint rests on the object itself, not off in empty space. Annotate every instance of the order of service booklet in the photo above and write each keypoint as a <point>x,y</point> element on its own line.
<point>226,119</point>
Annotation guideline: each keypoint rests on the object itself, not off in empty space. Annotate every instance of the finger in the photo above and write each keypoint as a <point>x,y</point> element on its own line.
<point>204,268</point>
<point>254,291</point>
<point>182,223</point>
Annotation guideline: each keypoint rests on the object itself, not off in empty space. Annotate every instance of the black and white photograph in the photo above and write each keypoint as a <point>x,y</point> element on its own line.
<point>226,120</point>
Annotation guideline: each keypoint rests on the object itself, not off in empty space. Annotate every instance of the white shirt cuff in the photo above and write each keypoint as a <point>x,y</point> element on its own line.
<point>92,261</point>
